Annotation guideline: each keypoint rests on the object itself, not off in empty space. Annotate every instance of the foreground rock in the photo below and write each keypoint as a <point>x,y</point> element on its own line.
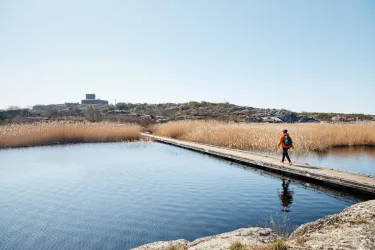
<point>163,245</point>
<point>246,236</point>
<point>353,228</point>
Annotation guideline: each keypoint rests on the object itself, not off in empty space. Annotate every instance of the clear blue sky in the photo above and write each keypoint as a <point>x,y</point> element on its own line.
<point>300,55</point>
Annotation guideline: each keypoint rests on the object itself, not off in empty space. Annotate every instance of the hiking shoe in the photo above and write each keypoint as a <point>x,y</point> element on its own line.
<point>282,162</point>
<point>290,163</point>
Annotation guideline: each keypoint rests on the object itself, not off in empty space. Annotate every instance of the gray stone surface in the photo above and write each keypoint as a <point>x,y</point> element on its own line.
<point>353,228</point>
<point>253,236</point>
<point>159,245</point>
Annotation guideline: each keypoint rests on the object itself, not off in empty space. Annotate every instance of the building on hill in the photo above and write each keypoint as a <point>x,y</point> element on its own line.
<point>90,99</point>
<point>90,96</point>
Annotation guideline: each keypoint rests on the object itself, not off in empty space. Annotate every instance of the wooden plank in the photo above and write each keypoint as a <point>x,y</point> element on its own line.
<point>340,180</point>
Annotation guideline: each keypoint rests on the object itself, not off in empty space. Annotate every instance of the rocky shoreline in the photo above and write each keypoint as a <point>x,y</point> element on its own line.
<point>353,228</point>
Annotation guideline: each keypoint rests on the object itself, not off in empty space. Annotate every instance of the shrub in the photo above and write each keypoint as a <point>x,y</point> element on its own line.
<point>237,246</point>
<point>278,245</point>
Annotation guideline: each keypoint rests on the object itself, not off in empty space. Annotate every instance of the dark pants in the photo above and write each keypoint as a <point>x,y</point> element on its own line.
<point>285,154</point>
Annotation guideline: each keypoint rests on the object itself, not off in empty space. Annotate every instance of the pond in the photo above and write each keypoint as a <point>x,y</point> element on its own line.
<point>351,159</point>
<point>122,195</point>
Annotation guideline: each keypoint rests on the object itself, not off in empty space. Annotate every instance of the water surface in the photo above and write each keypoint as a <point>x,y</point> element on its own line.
<point>351,159</point>
<point>121,195</point>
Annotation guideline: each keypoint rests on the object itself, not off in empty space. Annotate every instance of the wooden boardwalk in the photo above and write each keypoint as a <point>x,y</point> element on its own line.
<point>340,180</point>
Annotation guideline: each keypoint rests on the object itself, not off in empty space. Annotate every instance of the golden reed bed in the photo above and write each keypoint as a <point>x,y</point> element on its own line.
<point>65,132</point>
<point>265,137</point>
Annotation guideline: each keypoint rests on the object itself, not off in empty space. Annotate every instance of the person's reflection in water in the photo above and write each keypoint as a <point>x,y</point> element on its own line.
<point>286,196</point>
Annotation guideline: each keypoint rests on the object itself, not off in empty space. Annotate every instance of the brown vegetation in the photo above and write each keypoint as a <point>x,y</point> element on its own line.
<point>302,240</point>
<point>65,132</point>
<point>238,246</point>
<point>265,137</point>
<point>177,247</point>
<point>276,245</point>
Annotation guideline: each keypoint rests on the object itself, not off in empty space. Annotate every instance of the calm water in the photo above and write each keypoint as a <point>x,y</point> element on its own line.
<point>119,196</point>
<point>352,159</point>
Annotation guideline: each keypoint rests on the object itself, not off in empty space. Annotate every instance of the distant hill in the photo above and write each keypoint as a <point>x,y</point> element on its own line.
<point>207,110</point>
<point>155,113</point>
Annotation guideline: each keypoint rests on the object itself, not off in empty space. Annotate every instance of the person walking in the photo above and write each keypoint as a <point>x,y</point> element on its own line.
<point>286,143</point>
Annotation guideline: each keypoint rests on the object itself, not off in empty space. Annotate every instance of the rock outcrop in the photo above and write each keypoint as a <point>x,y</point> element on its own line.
<point>253,236</point>
<point>164,245</point>
<point>353,228</point>
<point>294,118</point>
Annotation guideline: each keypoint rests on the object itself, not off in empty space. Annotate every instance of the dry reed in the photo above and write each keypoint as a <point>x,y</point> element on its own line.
<point>265,137</point>
<point>24,135</point>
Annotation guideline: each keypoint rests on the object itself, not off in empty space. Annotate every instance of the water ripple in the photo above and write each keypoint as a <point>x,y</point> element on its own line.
<point>118,196</point>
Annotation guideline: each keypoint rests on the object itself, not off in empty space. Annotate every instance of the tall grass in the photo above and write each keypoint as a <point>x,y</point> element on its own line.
<point>23,135</point>
<point>265,137</point>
